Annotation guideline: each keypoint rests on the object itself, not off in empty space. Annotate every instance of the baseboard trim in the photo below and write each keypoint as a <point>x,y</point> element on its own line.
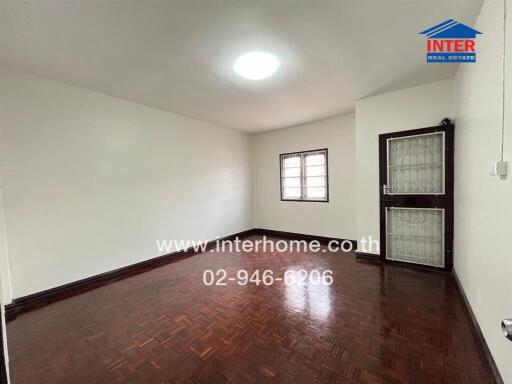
<point>484,348</point>
<point>302,236</point>
<point>40,299</point>
<point>368,256</point>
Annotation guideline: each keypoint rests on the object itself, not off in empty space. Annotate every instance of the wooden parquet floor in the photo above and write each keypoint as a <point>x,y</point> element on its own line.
<point>375,324</point>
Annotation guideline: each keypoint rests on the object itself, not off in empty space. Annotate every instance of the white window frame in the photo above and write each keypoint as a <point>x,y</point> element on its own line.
<point>302,176</point>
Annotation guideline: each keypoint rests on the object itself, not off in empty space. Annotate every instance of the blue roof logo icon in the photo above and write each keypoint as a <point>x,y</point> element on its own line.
<point>451,29</point>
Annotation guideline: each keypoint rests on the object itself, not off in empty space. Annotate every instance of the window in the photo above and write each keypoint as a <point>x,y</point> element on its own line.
<point>304,176</point>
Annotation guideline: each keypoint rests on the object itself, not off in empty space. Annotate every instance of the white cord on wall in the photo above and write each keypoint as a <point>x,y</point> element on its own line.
<point>503,72</point>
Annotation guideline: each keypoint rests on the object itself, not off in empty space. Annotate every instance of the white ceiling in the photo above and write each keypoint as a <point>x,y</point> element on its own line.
<point>178,55</point>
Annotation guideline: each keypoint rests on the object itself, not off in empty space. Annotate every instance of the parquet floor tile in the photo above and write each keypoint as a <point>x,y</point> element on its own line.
<point>375,324</point>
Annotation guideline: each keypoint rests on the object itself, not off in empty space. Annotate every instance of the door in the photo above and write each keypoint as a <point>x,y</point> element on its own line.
<point>416,197</point>
<point>3,370</point>
<point>3,268</point>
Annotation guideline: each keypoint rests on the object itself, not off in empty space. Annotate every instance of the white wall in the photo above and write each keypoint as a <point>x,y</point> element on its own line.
<point>483,204</point>
<point>335,218</point>
<point>90,181</point>
<point>417,107</point>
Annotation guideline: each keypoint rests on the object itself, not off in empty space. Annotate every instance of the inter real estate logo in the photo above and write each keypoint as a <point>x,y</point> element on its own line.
<point>451,42</point>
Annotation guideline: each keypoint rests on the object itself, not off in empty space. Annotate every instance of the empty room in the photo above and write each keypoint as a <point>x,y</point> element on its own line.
<point>255,191</point>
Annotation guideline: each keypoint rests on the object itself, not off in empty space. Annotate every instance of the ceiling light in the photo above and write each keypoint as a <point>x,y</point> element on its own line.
<point>256,65</point>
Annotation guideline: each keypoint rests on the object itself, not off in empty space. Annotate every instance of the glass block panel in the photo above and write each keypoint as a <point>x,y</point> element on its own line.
<point>415,235</point>
<point>416,164</point>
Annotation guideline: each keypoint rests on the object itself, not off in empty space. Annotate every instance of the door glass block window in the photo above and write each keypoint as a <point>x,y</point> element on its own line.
<point>416,164</point>
<point>415,235</point>
<point>304,176</point>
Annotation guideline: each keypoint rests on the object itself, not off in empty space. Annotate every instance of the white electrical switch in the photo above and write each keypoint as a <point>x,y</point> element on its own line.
<point>499,168</point>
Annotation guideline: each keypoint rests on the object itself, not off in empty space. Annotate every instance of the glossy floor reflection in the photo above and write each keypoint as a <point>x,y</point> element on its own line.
<point>375,324</point>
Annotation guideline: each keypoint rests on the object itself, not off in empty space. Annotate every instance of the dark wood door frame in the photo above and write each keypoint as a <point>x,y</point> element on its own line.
<point>430,201</point>
<point>3,370</point>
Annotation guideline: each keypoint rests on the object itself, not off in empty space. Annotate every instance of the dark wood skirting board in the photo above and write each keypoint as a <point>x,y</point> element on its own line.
<point>40,299</point>
<point>377,258</point>
<point>484,348</point>
<point>369,256</point>
<point>301,236</point>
